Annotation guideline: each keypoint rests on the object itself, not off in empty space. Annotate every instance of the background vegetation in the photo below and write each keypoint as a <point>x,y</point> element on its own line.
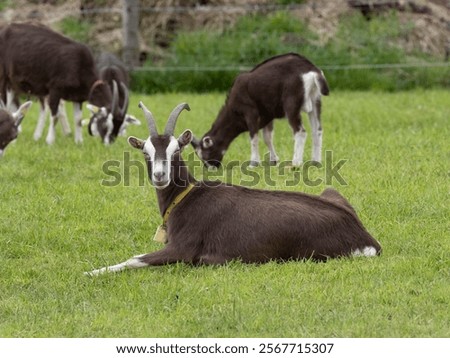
<point>200,50</point>
<point>58,221</point>
<point>255,38</point>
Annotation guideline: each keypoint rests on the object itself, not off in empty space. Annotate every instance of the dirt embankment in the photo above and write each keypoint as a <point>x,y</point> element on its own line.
<point>160,19</point>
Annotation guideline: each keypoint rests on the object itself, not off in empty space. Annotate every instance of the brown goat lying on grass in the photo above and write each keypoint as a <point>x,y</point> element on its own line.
<point>206,224</point>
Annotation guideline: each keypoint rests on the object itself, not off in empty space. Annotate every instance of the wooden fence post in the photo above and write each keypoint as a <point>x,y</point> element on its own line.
<point>130,25</point>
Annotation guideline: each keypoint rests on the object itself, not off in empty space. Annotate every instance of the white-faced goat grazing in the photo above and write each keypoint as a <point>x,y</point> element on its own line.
<point>279,87</point>
<point>9,123</point>
<point>210,223</point>
<point>104,123</point>
<point>38,61</point>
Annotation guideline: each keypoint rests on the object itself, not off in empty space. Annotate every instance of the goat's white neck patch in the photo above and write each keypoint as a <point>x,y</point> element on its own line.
<point>172,148</point>
<point>149,149</point>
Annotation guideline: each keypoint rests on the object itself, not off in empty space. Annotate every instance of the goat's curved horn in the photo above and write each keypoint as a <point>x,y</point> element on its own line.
<point>126,99</point>
<point>150,120</point>
<point>172,121</point>
<point>115,97</point>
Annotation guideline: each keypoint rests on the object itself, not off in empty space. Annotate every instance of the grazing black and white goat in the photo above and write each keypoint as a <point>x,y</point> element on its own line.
<point>38,61</point>
<point>104,123</point>
<point>210,223</point>
<point>10,122</point>
<point>279,87</point>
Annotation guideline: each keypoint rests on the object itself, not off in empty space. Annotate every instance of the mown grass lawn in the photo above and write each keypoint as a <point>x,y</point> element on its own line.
<point>57,220</point>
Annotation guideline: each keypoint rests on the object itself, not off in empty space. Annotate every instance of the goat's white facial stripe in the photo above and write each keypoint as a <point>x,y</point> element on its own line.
<point>149,149</point>
<point>172,148</point>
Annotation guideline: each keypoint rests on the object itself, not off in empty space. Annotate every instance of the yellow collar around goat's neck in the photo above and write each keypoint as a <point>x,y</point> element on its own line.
<point>176,201</point>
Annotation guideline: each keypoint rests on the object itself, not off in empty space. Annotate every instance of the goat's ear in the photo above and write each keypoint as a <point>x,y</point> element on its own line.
<point>20,113</point>
<point>129,119</point>
<point>92,108</point>
<point>136,142</point>
<point>185,138</point>
<point>207,142</point>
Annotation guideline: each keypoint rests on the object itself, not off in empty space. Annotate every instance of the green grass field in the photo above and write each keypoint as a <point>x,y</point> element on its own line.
<point>57,220</point>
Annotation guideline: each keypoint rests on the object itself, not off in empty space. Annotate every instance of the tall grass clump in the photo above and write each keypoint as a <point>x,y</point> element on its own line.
<point>222,53</point>
<point>76,29</point>
<point>359,41</point>
<point>214,58</point>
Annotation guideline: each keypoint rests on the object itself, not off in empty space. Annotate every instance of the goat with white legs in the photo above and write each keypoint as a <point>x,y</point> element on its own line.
<point>38,61</point>
<point>281,86</point>
<point>207,223</point>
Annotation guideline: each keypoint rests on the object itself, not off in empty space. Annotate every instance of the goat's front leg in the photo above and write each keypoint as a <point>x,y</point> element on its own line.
<point>254,157</point>
<point>158,258</point>
<point>268,139</point>
<point>63,118</point>
<point>41,119</point>
<point>252,120</point>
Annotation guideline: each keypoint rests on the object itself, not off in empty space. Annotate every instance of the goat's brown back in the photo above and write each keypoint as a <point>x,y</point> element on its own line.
<point>272,225</point>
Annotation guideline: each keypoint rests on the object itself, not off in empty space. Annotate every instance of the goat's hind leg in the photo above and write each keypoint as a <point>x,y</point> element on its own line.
<point>317,132</point>
<point>158,258</point>
<point>299,138</point>
<point>53,103</point>
<point>254,157</point>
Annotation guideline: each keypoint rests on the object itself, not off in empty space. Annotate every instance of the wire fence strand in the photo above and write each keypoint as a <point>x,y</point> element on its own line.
<point>237,68</point>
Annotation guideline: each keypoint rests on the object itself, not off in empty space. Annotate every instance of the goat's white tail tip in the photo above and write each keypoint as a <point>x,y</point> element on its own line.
<point>367,251</point>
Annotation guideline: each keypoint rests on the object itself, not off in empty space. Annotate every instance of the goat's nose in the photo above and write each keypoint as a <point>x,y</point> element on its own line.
<point>159,175</point>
